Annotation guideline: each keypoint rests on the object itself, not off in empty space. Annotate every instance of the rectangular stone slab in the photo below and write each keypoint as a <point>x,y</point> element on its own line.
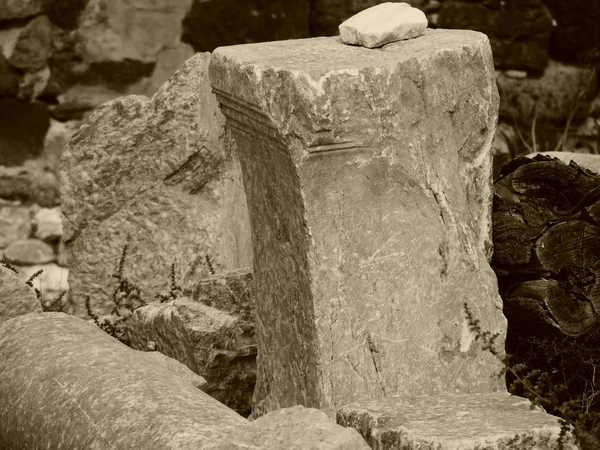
<point>491,421</point>
<point>368,179</point>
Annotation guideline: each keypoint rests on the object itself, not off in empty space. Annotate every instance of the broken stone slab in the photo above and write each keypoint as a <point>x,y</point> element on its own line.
<point>306,428</point>
<point>28,252</point>
<point>16,298</point>
<point>452,421</point>
<point>214,344</point>
<point>382,24</point>
<point>368,176</point>
<point>159,175</point>
<point>67,384</point>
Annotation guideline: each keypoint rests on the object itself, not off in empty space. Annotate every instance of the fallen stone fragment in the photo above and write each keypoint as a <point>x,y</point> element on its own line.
<point>14,224</point>
<point>294,428</point>
<point>382,24</point>
<point>48,224</point>
<point>454,421</point>
<point>67,384</point>
<point>214,344</point>
<point>16,298</point>
<point>586,160</point>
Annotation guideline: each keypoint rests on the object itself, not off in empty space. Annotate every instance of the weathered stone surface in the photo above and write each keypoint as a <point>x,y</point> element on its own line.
<point>51,283</point>
<point>227,22</point>
<point>295,428</point>
<point>370,201</point>
<point>34,45</point>
<point>382,24</point>
<point>232,292</point>
<point>14,224</point>
<point>167,61</point>
<point>519,32</point>
<point>68,384</point>
<point>129,29</point>
<point>556,93</point>
<point>29,252</point>
<point>23,126</point>
<point>48,224</point>
<point>212,343</point>
<point>494,421</point>
<point>16,298</point>
<point>159,175</point>
<point>175,367</point>
<point>17,9</point>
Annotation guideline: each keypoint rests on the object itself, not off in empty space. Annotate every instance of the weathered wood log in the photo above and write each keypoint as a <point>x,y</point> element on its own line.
<point>546,231</point>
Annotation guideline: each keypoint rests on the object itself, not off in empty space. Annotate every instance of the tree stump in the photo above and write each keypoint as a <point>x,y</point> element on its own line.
<point>546,233</point>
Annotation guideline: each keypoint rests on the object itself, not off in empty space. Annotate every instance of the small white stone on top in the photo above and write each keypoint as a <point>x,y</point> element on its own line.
<point>382,24</point>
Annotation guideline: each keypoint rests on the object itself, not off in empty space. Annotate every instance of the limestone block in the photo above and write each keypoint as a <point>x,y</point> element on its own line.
<point>494,421</point>
<point>556,93</point>
<point>210,342</point>
<point>382,24</point>
<point>67,384</point>
<point>232,292</point>
<point>295,428</point>
<point>29,252</point>
<point>368,175</point>
<point>157,174</point>
<point>14,224</point>
<point>519,31</point>
<point>17,9</point>
<point>16,298</point>
<point>34,46</point>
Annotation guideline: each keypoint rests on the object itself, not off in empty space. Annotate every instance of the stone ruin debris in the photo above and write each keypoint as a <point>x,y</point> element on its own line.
<point>368,183</point>
<point>382,24</point>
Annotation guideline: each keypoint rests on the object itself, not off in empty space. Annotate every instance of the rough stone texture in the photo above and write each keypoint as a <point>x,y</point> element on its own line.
<point>29,252</point>
<point>48,224</point>
<point>14,224</point>
<point>232,292</point>
<point>555,93</point>
<point>368,175</point>
<point>22,129</point>
<point>175,367</point>
<point>157,174</point>
<point>17,9</point>
<point>129,29</point>
<point>16,298</point>
<point>29,183</point>
<point>68,384</point>
<point>519,32</point>
<point>227,22</point>
<point>295,428</point>
<point>218,346</point>
<point>382,24</point>
<point>491,421</point>
<point>34,45</point>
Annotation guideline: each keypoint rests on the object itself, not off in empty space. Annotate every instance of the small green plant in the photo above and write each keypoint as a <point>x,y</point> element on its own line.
<point>547,389</point>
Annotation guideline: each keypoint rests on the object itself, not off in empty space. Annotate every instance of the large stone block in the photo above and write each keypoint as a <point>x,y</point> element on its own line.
<point>218,346</point>
<point>519,31</point>
<point>494,421</point>
<point>160,175</point>
<point>67,384</point>
<point>368,175</point>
